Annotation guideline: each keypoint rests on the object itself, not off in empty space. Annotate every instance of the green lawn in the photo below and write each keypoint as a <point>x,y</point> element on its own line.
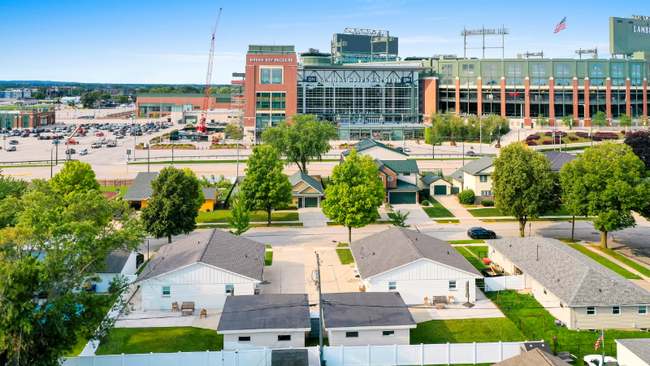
<point>268,260</point>
<point>643,270</point>
<point>471,241</point>
<point>562,211</point>
<point>466,331</point>
<point>605,262</point>
<point>345,255</point>
<point>486,212</point>
<point>477,263</point>
<point>344,245</point>
<point>578,343</point>
<point>221,215</point>
<point>274,224</point>
<point>122,190</point>
<point>437,209</point>
<point>447,221</point>
<point>478,250</point>
<point>160,340</point>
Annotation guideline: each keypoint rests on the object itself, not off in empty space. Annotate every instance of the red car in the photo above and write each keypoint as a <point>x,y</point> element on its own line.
<point>99,134</point>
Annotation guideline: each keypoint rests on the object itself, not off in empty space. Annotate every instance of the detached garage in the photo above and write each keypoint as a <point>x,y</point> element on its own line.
<point>436,185</point>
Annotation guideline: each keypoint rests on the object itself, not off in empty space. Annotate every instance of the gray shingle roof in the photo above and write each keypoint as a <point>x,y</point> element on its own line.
<point>365,309</point>
<point>367,144</point>
<point>115,261</point>
<point>209,193</point>
<point>458,175</point>
<point>535,357</point>
<point>558,159</point>
<point>430,178</point>
<point>277,311</point>
<point>213,247</point>
<point>141,187</point>
<point>402,166</point>
<point>398,246</point>
<point>639,346</point>
<point>298,176</point>
<point>574,278</point>
<point>475,167</point>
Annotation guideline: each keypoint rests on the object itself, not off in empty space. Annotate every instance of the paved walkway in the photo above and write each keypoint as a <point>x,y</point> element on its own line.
<point>312,217</point>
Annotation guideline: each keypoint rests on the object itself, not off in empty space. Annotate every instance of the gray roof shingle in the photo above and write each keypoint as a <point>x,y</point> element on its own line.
<point>209,192</point>
<point>476,167</point>
<point>298,176</point>
<point>430,178</point>
<point>141,187</point>
<point>367,144</point>
<point>574,278</point>
<point>213,247</point>
<point>115,261</point>
<point>535,357</point>
<point>558,159</point>
<point>272,311</point>
<point>398,246</point>
<point>640,347</point>
<point>365,309</point>
<point>458,175</point>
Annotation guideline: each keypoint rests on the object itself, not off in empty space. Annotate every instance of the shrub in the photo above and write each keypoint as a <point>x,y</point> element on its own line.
<point>425,203</point>
<point>533,137</point>
<point>388,207</point>
<point>466,197</point>
<point>584,135</point>
<point>531,143</point>
<point>487,203</point>
<point>573,138</point>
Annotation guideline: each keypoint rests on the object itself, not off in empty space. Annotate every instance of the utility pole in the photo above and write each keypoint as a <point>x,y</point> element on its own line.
<point>320,310</point>
<point>433,143</point>
<point>237,161</point>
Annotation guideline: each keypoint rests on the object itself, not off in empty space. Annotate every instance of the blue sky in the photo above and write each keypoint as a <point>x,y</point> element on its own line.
<point>164,41</point>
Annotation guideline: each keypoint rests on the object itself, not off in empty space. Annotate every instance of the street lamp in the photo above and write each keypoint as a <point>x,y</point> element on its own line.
<point>148,146</point>
<point>480,136</point>
<point>51,158</point>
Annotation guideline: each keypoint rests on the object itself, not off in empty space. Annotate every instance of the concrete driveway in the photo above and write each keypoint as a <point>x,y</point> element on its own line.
<point>312,216</point>
<point>417,215</point>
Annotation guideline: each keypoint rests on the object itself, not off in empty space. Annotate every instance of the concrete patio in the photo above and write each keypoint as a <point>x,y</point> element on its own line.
<point>483,308</point>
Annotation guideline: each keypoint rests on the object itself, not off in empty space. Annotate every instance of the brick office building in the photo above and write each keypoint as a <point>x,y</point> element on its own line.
<point>27,118</point>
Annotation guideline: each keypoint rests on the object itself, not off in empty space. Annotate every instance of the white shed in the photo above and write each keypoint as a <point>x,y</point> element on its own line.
<point>204,268</point>
<point>118,264</point>
<point>415,265</point>
<point>265,321</point>
<point>367,318</point>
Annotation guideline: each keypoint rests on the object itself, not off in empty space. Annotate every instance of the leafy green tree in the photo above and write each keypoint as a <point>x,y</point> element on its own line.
<point>143,90</point>
<point>568,121</point>
<point>174,204</point>
<point>224,90</point>
<point>123,98</point>
<point>304,140</point>
<point>234,131</point>
<point>11,187</point>
<point>105,96</point>
<point>524,185</point>
<point>90,99</point>
<point>75,176</point>
<point>446,124</point>
<point>542,121</point>
<point>58,243</point>
<point>398,218</point>
<point>607,182</point>
<point>625,120</point>
<point>640,143</point>
<point>39,95</point>
<point>599,119</point>
<point>265,186</point>
<point>240,217</point>
<point>355,193</point>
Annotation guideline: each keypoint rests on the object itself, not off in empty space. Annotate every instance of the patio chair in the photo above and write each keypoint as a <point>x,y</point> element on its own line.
<point>175,306</point>
<point>427,302</point>
<point>452,300</point>
<point>204,313</point>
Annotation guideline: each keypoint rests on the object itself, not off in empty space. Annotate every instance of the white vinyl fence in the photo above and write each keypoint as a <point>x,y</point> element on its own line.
<point>505,283</point>
<point>424,354</point>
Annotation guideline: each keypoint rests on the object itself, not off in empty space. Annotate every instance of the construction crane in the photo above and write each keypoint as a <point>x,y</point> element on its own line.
<point>208,80</point>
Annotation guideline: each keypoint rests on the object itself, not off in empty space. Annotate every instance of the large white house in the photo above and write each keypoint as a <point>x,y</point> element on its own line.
<point>477,176</point>
<point>204,268</point>
<point>574,288</point>
<point>414,264</point>
<point>265,321</point>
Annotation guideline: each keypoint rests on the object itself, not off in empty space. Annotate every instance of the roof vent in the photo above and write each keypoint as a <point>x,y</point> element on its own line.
<point>600,289</point>
<point>447,252</point>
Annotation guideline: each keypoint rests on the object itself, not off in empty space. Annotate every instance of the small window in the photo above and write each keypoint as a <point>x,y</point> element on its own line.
<point>452,285</point>
<point>166,291</point>
<point>561,305</point>
<point>486,193</point>
<point>351,334</point>
<point>545,292</point>
<point>643,310</point>
<point>483,178</point>
<point>388,333</point>
<point>284,337</point>
<point>591,310</point>
<point>390,178</point>
<point>406,174</point>
<point>616,310</point>
<point>392,286</point>
<point>230,289</point>
<point>244,339</point>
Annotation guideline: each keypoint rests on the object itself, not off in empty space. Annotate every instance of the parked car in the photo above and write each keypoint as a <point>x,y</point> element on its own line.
<point>56,142</point>
<point>595,360</point>
<point>25,134</point>
<point>73,142</point>
<point>71,151</point>
<point>95,145</point>
<point>407,149</point>
<point>399,148</point>
<point>99,134</point>
<point>481,233</point>
<point>12,148</point>
<point>470,153</point>
<point>13,142</point>
<point>111,144</point>
<point>83,152</point>
<point>37,134</point>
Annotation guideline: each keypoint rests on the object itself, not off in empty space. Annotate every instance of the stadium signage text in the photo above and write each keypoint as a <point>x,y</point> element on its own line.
<point>362,80</point>
<point>639,29</point>
<point>640,17</point>
<point>271,60</point>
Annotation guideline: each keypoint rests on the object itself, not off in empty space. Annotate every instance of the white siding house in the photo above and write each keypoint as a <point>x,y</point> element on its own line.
<point>204,268</point>
<point>118,264</point>
<point>415,265</point>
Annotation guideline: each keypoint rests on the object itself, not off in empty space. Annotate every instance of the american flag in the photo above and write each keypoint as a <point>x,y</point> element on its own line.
<point>600,339</point>
<point>560,26</point>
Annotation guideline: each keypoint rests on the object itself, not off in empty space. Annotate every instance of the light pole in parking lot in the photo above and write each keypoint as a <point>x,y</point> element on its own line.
<point>51,158</point>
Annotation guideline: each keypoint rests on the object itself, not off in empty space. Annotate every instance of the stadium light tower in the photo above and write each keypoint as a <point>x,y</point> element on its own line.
<point>485,32</point>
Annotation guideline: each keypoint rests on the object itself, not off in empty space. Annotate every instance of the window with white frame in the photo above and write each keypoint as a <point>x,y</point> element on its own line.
<point>643,310</point>
<point>486,193</point>
<point>388,333</point>
<point>284,337</point>
<point>244,339</point>
<point>616,310</point>
<point>483,178</point>
<point>452,285</point>
<point>591,310</point>
<point>392,286</point>
<point>166,291</point>
<point>351,334</point>
<point>230,289</point>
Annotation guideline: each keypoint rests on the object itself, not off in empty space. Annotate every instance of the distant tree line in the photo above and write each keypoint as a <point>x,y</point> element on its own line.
<point>446,124</point>
<point>184,89</point>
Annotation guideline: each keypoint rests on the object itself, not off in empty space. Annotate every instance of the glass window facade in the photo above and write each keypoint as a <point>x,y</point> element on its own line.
<point>265,76</point>
<point>276,76</point>
<point>562,74</point>
<point>618,75</point>
<point>514,74</point>
<point>270,75</point>
<point>539,75</point>
<point>596,71</point>
<point>490,74</point>
<point>636,77</point>
<point>447,74</point>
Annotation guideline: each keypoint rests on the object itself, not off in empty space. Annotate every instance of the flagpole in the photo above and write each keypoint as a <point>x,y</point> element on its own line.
<point>602,331</point>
